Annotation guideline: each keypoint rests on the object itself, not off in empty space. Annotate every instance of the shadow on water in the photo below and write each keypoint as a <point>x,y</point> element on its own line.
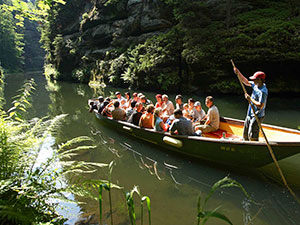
<point>173,182</point>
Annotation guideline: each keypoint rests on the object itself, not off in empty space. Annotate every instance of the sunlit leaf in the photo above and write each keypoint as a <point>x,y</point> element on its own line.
<point>217,215</point>
<point>19,119</point>
<point>21,108</point>
<point>60,1</point>
<point>12,114</point>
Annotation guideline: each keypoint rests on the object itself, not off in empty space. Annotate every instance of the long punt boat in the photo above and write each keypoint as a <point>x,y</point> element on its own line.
<point>224,146</point>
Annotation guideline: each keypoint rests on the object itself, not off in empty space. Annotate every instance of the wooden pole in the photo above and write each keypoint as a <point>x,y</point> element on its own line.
<point>265,137</point>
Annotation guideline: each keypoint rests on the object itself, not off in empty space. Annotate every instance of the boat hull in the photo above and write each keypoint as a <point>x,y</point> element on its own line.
<point>241,154</point>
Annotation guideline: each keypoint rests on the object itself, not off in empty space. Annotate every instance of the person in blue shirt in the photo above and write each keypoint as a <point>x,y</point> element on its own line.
<point>258,99</point>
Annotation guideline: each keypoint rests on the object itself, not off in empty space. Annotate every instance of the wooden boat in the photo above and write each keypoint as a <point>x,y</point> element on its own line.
<point>224,147</point>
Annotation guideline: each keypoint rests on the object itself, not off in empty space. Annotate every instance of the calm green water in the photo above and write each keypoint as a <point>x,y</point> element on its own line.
<point>173,190</point>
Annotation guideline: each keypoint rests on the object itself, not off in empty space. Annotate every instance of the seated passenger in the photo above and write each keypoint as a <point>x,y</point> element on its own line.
<point>168,108</point>
<point>102,106</point>
<point>158,122</point>
<point>199,113</point>
<point>128,99</point>
<point>100,101</point>
<point>179,103</point>
<point>105,111</point>
<point>118,113</point>
<point>145,101</point>
<point>182,125</point>
<point>135,97</point>
<point>192,110</point>
<point>139,95</point>
<point>186,112</point>
<point>93,106</point>
<point>119,96</point>
<point>130,110</point>
<point>123,104</point>
<point>136,115</point>
<point>147,119</point>
<point>159,101</point>
<point>212,118</point>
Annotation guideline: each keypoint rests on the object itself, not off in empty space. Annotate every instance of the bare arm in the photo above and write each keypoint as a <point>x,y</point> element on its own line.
<point>242,77</point>
<point>162,125</point>
<point>256,103</point>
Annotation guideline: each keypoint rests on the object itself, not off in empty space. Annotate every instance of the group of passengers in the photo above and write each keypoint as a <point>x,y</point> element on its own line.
<point>184,119</point>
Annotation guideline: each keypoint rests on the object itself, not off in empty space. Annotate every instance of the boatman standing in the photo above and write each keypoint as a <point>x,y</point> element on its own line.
<point>258,99</point>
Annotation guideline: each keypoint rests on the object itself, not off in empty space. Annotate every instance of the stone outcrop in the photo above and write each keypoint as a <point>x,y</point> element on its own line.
<point>99,28</point>
<point>112,39</point>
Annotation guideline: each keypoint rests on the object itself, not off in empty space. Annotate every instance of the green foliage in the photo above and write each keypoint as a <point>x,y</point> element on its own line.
<point>83,73</point>
<point>11,39</point>
<point>2,100</point>
<point>12,17</point>
<point>22,101</point>
<point>28,183</point>
<point>147,200</point>
<point>131,205</point>
<point>142,65</point>
<point>111,2</point>
<point>22,9</point>
<point>50,72</point>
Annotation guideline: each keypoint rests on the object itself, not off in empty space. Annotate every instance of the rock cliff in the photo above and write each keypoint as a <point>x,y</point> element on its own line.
<point>171,44</point>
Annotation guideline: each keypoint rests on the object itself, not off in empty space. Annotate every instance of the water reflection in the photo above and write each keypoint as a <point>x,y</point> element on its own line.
<point>180,181</point>
<point>173,182</point>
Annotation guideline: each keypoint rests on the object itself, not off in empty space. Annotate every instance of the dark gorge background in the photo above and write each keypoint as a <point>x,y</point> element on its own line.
<point>172,45</point>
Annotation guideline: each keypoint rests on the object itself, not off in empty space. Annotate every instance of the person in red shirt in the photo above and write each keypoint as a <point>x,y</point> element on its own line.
<point>159,100</point>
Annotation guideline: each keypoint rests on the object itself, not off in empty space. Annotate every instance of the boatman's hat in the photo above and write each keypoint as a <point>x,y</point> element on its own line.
<point>258,74</point>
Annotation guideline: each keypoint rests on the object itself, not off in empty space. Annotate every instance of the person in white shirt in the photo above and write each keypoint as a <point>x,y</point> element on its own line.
<point>199,113</point>
<point>212,118</point>
<point>168,108</point>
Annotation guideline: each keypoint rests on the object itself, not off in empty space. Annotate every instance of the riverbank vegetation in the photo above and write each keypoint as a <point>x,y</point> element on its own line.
<point>184,46</point>
<point>12,41</point>
<point>190,51</point>
<point>33,167</point>
<point>19,36</point>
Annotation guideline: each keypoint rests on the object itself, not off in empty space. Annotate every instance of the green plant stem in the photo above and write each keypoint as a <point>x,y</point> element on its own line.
<point>110,204</point>
<point>100,203</point>
<point>142,213</point>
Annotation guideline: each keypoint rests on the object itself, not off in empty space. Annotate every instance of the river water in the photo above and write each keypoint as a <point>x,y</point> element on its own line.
<point>172,182</point>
